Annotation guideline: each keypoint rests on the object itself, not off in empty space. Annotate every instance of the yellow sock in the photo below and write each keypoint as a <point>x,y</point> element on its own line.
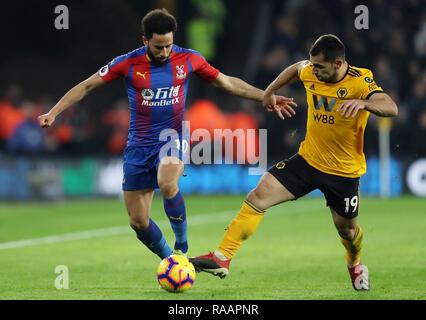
<point>240,229</point>
<point>353,248</point>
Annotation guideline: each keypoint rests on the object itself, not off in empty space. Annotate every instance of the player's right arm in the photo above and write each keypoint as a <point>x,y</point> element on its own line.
<point>74,95</point>
<point>289,75</point>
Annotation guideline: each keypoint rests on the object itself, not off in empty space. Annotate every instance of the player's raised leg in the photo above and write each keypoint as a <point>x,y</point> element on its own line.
<point>351,236</point>
<point>268,192</point>
<point>138,204</point>
<point>170,171</point>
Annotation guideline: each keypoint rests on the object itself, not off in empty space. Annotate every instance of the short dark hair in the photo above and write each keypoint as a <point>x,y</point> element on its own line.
<point>158,21</point>
<point>330,46</point>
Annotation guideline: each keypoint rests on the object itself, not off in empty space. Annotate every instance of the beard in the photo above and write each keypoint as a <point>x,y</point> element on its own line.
<point>325,78</point>
<point>157,62</point>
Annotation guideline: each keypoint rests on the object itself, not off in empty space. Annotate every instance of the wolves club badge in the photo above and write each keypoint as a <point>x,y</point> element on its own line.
<point>342,92</point>
<point>280,165</point>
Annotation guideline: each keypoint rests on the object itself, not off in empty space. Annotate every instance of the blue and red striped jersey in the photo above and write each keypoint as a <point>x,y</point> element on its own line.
<point>156,94</point>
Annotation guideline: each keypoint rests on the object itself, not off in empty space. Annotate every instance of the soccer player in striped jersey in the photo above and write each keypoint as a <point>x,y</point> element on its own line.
<point>156,77</point>
<point>340,99</point>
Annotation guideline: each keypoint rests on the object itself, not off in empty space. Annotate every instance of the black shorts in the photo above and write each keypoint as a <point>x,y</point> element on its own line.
<point>341,193</point>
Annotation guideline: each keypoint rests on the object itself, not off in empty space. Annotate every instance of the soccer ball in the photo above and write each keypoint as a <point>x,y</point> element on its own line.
<point>176,273</point>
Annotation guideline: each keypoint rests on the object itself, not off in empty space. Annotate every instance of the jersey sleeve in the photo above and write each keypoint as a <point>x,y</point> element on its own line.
<point>202,68</point>
<point>368,86</point>
<point>303,70</point>
<point>116,68</point>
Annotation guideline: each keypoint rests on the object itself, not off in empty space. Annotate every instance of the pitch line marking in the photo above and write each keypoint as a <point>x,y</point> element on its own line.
<point>212,217</point>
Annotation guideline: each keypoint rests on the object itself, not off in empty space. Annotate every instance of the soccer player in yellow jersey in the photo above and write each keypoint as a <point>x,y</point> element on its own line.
<point>340,99</point>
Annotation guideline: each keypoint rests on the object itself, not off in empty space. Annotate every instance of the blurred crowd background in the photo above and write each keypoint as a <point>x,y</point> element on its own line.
<point>41,63</point>
<point>253,40</point>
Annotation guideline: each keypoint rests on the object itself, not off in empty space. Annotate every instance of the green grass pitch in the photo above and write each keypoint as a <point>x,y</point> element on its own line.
<point>294,254</point>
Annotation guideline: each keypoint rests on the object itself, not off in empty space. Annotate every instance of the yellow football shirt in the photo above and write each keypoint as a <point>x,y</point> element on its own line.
<point>334,144</point>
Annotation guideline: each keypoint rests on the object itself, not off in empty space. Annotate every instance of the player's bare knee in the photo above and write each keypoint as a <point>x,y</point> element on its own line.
<point>347,232</point>
<point>258,196</point>
<point>139,224</point>
<point>168,188</point>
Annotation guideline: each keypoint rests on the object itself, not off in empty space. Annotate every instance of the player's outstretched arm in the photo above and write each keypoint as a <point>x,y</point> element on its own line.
<point>379,104</point>
<point>269,101</point>
<point>237,87</point>
<point>71,97</point>
<point>242,89</point>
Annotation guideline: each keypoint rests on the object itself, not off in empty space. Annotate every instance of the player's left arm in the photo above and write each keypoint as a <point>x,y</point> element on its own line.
<point>237,87</point>
<point>378,103</point>
<point>240,88</point>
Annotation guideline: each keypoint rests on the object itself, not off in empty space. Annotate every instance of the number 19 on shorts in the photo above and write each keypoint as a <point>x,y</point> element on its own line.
<point>351,204</point>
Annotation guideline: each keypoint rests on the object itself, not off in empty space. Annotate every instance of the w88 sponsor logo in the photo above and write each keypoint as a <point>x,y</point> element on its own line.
<point>324,118</point>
